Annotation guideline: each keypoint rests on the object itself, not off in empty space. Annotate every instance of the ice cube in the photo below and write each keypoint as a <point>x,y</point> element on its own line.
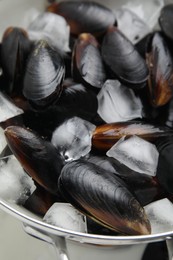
<point>3,141</point>
<point>64,215</point>
<point>52,28</point>
<point>73,138</point>
<point>137,154</point>
<point>117,103</point>
<point>127,20</point>
<point>7,108</point>
<point>16,186</point>
<point>160,215</point>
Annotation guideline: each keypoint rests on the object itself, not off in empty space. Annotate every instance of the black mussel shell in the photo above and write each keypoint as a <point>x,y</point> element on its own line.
<point>45,71</point>
<point>123,59</point>
<point>78,100</point>
<point>38,157</point>
<point>105,136</point>
<point>87,66</point>
<point>165,163</point>
<point>145,187</point>
<point>40,201</point>
<point>160,64</point>
<point>165,20</point>
<point>104,197</point>
<point>15,49</point>
<point>84,16</point>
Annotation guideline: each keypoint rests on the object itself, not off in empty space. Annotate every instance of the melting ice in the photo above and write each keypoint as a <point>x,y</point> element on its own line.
<point>7,108</point>
<point>117,103</point>
<point>64,215</point>
<point>137,154</point>
<point>73,138</point>
<point>16,186</point>
<point>160,215</point>
<point>50,27</point>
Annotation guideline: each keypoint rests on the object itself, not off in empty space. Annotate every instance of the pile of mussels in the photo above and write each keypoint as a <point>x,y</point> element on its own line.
<point>53,86</point>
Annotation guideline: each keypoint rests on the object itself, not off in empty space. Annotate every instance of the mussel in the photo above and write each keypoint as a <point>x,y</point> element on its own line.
<point>15,49</point>
<point>84,16</point>
<point>123,59</point>
<point>105,136</point>
<point>160,64</point>
<point>165,163</point>
<point>45,71</point>
<point>87,63</point>
<point>37,156</point>
<point>146,188</point>
<point>165,20</point>
<point>103,197</point>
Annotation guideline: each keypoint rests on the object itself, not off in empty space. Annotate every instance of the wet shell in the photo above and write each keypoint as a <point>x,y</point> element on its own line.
<point>38,157</point>
<point>105,136</point>
<point>165,20</point>
<point>15,49</point>
<point>165,163</point>
<point>104,197</point>
<point>84,16</point>
<point>87,66</point>
<point>44,74</point>
<point>123,59</point>
<point>160,64</point>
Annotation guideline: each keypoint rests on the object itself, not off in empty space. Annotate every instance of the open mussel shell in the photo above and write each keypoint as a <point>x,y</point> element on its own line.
<point>84,16</point>
<point>160,64</point>
<point>123,59</point>
<point>14,51</point>
<point>87,66</point>
<point>38,157</point>
<point>165,20</point>
<point>103,197</point>
<point>105,136</point>
<point>45,71</point>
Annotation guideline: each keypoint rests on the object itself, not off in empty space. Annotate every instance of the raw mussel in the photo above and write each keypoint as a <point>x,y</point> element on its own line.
<point>84,16</point>
<point>88,66</point>
<point>15,49</point>
<point>165,20</point>
<point>103,197</point>
<point>160,64</point>
<point>45,71</point>
<point>105,136</point>
<point>123,59</point>
<point>38,157</point>
<point>165,163</point>
<point>146,188</point>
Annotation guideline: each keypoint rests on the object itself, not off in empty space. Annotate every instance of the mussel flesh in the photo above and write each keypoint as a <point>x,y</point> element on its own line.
<point>103,197</point>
